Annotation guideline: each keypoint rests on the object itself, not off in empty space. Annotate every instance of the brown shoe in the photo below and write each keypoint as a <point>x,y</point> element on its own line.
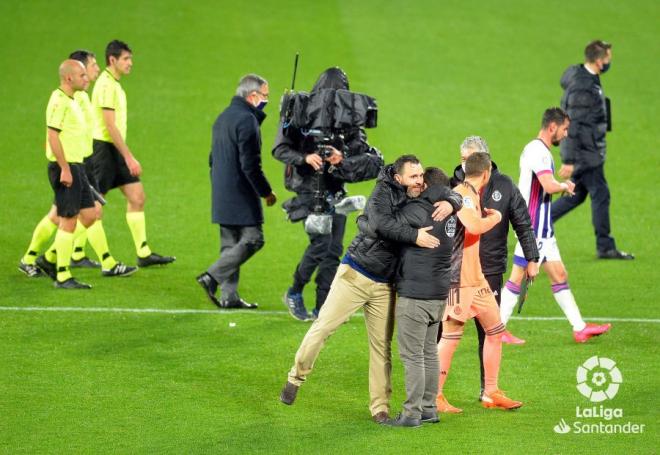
<point>289,392</point>
<point>381,417</point>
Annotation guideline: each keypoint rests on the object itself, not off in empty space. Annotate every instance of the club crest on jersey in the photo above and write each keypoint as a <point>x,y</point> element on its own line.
<point>467,202</point>
<point>450,226</point>
<point>497,196</point>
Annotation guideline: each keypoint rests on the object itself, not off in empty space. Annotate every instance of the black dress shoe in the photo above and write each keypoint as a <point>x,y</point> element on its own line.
<point>615,254</point>
<point>404,421</point>
<point>240,303</point>
<point>210,286</point>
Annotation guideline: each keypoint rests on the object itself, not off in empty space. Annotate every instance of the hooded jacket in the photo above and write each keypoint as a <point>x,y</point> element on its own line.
<point>424,273</point>
<point>500,193</point>
<point>585,103</point>
<point>374,248</point>
<point>361,161</point>
<point>237,179</point>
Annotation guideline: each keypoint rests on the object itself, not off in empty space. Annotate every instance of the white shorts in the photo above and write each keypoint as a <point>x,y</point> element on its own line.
<point>548,251</point>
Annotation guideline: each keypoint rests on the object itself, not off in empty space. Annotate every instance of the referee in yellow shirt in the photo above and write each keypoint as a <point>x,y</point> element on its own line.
<point>66,145</point>
<point>114,164</point>
<point>48,224</point>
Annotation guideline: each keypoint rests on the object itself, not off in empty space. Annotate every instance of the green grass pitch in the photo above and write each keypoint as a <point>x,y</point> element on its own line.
<point>112,382</point>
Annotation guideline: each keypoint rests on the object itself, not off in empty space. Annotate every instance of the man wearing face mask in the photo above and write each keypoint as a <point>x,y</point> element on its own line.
<point>583,151</point>
<point>310,168</point>
<point>237,182</point>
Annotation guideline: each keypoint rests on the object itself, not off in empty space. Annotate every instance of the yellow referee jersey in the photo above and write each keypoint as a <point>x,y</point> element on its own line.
<point>65,115</point>
<point>108,94</point>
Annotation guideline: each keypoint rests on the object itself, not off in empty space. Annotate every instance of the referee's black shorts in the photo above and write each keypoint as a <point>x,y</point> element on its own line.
<point>88,164</point>
<point>70,200</point>
<point>110,167</point>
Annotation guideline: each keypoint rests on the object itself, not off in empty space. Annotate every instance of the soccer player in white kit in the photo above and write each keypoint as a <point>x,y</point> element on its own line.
<point>537,185</point>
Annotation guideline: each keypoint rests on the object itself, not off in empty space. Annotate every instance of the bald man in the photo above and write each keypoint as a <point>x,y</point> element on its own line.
<point>66,146</point>
<point>49,223</point>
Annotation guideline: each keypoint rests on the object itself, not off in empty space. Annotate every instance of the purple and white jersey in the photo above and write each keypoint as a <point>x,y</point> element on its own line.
<point>535,161</point>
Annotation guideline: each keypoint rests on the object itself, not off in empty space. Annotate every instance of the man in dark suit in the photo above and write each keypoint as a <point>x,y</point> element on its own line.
<point>237,182</point>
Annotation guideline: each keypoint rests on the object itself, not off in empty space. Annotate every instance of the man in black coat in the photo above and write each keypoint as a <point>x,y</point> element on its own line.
<point>422,285</point>
<point>583,151</point>
<point>363,280</point>
<point>501,194</point>
<point>348,159</point>
<point>238,183</point>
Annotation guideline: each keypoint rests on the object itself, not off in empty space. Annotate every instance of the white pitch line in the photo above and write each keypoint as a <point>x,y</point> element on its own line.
<point>267,312</point>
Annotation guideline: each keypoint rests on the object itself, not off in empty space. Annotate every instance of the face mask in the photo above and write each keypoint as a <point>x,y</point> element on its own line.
<point>463,166</point>
<point>606,66</point>
<point>262,105</point>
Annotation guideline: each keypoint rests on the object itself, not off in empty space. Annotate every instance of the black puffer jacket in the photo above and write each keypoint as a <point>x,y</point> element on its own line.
<point>361,161</point>
<point>374,247</point>
<point>586,104</point>
<point>423,273</point>
<point>502,194</point>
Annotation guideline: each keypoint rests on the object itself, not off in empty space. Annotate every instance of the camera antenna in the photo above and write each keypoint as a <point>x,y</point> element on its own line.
<point>295,70</point>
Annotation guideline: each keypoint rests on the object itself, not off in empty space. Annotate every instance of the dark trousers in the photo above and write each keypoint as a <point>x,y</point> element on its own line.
<point>238,244</point>
<point>590,182</point>
<point>322,253</point>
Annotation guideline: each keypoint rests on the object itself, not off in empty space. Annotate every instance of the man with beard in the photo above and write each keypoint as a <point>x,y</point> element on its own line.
<point>537,184</point>
<point>363,280</point>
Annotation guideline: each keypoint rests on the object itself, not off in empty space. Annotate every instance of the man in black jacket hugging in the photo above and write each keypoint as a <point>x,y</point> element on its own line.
<point>422,285</point>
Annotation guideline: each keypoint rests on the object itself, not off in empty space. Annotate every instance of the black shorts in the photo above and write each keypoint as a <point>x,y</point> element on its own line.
<point>110,167</point>
<point>88,164</point>
<point>69,201</point>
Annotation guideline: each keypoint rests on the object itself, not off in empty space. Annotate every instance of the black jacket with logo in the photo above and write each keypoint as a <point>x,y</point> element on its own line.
<point>374,248</point>
<point>503,195</point>
<point>423,273</point>
<point>585,103</point>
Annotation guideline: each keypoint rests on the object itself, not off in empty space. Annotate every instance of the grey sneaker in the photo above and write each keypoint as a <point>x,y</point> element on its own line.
<point>288,394</point>
<point>295,304</point>
<point>120,270</point>
<point>404,421</point>
<point>30,270</point>
<point>430,417</point>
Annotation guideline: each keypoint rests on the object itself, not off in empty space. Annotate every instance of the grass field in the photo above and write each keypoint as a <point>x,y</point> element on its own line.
<point>158,382</point>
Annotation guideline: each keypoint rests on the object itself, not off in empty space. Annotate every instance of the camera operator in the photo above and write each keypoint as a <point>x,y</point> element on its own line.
<point>317,167</point>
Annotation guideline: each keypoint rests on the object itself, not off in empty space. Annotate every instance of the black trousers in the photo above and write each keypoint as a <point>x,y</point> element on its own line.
<point>322,255</point>
<point>495,283</point>
<point>590,182</point>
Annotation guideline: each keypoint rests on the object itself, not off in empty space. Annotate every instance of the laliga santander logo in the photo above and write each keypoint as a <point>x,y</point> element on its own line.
<point>598,379</point>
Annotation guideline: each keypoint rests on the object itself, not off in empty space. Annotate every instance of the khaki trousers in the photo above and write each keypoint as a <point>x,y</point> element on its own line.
<point>350,291</point>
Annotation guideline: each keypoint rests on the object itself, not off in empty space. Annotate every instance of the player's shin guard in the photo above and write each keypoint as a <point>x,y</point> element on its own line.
<point>566,301</point>
<point>79,242</point>
<point>446,348</point>
<point>508,300</point>
<point>492,357</point>
<point>63,247</point>
<point>138,227</point>
<point>42,233</point>
<point>99,242</point>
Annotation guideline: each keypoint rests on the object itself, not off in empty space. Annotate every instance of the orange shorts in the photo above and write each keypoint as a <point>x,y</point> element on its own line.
<point>475,301</point>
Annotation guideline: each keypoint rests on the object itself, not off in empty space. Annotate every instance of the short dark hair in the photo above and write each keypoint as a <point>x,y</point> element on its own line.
<point>114,49</point>
<point>82,55</point>
<point>476,164</point>
<point>435,176</point>
<point>554,115</point>
<point>401,162</point>
<point>595,50</point>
